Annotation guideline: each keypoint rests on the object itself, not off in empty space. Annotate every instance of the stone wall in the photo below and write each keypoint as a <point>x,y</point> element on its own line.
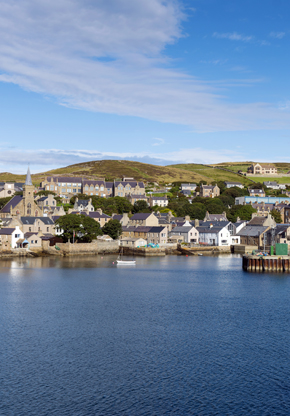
<point>95,247</point>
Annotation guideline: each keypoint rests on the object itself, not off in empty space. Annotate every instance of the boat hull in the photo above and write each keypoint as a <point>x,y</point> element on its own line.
<point>126,263</point>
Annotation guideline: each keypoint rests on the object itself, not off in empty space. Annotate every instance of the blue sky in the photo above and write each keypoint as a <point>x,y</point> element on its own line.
<point>156,81</point>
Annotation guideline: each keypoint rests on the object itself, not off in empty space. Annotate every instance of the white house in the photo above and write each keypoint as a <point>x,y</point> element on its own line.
<point>188,186</point>
<point>274,185</point>
<point>160,201</point>
<point>215,234</point>
<point>10,236</point>
<point>233,184</point>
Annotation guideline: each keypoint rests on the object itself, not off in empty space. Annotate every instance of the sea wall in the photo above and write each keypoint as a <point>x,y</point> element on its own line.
<point>68,249</point>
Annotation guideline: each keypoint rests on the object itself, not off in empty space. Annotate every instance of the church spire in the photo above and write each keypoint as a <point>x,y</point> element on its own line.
<point>28,177</point>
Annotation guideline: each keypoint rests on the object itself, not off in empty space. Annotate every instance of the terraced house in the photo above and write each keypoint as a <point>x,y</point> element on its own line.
<point>68,186</point>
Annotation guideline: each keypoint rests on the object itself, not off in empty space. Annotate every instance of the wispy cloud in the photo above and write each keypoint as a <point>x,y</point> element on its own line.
<point>158,142</point>
<point>277,35</point>
<point>108,56</point>
<point>16,161</point>
<point>233,36</point>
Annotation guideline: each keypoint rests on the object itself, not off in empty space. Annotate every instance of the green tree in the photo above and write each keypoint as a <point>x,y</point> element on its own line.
<point>3,201</point>
<point>277,216</point>
<point>83,227</point>
<point>244,212</point>
<point>141,206</point>
<point>113,228</point>
<point>196,211</point>
<point>45,193</point>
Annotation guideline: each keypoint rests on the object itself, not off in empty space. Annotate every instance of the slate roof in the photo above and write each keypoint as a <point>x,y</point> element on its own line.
<point>160,198</point>
<point>117,217</point>
<point>27,235</point>
<point>140,216</point>
<point>64,179</point>
<point>183,229</point>
<point>6,231</point>
<point>233,183</point>
<point>31,220</point>
<point>12,203</point>
<point>156,229</point>
<point>257,221</point>
<point>133,184</point>
<point>43,198</point>
<point>249,231</point>
<point>96,214</point>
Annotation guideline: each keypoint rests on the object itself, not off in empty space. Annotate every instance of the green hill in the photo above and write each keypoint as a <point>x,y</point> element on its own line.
<point>114,169</point>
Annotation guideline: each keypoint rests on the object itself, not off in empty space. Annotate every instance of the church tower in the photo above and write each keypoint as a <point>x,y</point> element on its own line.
<point>29,206</point>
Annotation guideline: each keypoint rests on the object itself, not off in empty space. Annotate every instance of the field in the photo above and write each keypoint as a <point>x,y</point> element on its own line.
<point>114,169</point>
<point>262,179</point>
<point>212,174</point>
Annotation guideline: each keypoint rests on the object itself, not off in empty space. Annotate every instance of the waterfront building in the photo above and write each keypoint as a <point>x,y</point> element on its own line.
<point>9,237</point>
<point>189,233</point>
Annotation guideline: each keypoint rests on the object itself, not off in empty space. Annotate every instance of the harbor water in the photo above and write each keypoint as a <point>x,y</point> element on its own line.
<point>170,336</point>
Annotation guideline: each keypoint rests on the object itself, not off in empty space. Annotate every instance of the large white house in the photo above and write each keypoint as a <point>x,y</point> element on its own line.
<point>217,234</point>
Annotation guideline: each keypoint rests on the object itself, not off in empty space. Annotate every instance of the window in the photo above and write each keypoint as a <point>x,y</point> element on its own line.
<point>29,208</point>
<point>74,191</point>
<point>64,184</point>
<point>69,190</point>
<point>32,241</point>
<point>92,188</point>
<point>35,241</point>
<point>86,188</point>
<point>63,190</point>
<point>29,228</point>
<point>47,229</point>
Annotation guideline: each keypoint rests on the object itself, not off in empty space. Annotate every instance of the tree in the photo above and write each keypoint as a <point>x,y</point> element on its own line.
<point>84,228</point>
<point>3,201</point>
<point>113,228</point>
<point>45,193</point>
<point>141,206</point>
<point>196,211</point>
<point>276,216</point>
<point>244,212</point>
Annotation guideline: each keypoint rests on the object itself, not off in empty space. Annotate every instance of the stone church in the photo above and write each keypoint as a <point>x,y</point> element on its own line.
<point>23,206</point>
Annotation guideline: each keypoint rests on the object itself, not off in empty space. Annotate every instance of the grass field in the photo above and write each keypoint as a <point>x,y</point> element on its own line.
<point>262,179</point>
<point>114,169</point>
<point>211,174</point>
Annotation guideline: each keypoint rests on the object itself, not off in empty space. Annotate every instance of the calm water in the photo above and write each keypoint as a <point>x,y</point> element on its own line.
<point>171,336</point>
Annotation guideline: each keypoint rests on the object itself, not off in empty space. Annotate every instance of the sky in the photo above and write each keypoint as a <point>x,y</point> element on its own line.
<point>157,81</point>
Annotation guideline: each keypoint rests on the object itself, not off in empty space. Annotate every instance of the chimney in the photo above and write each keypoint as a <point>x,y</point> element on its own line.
<point>196,223</point>
<point>187,218</point>
<point>99,210</point>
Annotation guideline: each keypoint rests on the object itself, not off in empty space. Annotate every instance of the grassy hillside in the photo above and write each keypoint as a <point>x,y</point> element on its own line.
<point>113,169</point>
<point>213,174</point>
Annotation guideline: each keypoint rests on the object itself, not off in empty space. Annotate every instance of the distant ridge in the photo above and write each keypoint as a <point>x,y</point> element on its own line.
<point>113,169</point>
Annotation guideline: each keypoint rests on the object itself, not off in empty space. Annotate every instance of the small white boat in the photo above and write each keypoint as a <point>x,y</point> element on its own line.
<point>199,254</point>
<point>121,262</point>
<point>126,262</point>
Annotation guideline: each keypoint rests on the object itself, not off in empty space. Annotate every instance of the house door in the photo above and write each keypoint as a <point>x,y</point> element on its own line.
<point>213,242</point>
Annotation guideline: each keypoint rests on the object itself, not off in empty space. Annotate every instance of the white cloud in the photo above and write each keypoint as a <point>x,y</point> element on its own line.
<point>108,56</point>
<point>158,142</point>
<point>17,160</point>
<point>233,36</point>
<point>277,35</point>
